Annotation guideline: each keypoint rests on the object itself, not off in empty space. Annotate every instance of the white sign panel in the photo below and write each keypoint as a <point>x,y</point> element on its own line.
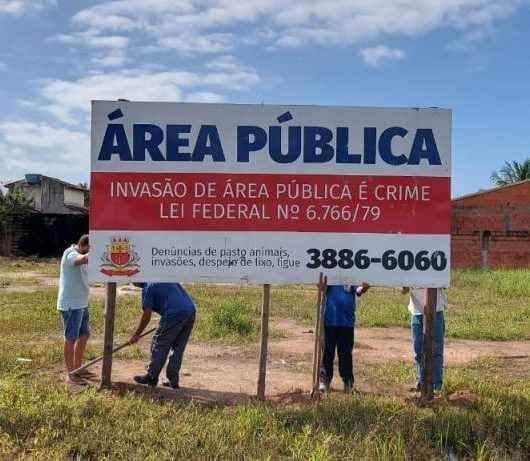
<point>269,194</point>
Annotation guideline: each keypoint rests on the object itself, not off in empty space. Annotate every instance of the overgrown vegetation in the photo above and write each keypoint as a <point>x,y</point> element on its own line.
<point>11,266</point>
<point>41,419</point>
<point>13,203</point>
<point>230,320</point>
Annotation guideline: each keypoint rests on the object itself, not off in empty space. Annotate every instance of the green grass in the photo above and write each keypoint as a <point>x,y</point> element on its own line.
<point>44,266</point>
<point>482,305</point>
<point>230,320</point>
<point>41,419</point>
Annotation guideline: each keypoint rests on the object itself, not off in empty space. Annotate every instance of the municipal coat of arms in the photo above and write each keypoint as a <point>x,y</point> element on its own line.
<point>120,258</point>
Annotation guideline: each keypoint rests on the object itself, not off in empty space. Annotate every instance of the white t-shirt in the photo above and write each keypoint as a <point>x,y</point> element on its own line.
<point>73,282</point>
<point>418,300</point>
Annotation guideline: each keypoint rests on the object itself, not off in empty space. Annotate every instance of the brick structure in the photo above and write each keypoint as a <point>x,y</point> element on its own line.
<point>491,229</point>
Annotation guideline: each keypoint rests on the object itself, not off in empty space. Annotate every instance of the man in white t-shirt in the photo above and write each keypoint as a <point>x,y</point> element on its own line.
<point>417,303</point>
<point>72,302</point>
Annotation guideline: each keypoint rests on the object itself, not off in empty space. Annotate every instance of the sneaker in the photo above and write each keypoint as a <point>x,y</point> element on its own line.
<point>146,380</point>
<point>75,380</point>
<point>323,386</point>
<point>348,387</point>
<point>171,384</point>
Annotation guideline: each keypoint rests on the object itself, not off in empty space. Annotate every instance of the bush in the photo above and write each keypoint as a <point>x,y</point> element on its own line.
<point>230,319</point>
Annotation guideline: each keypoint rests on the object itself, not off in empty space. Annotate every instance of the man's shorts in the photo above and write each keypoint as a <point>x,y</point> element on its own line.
<point>75,323</point>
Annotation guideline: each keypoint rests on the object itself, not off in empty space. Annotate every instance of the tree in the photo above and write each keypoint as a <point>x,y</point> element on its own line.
<point>512,172</point>
<point>14,202</point>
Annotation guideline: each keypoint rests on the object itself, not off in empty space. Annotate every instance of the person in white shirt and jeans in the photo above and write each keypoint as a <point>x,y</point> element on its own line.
<point>72,303</point>
<point>416,306</point>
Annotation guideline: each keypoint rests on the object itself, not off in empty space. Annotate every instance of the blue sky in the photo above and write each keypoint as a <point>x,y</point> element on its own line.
<point>468,55</point>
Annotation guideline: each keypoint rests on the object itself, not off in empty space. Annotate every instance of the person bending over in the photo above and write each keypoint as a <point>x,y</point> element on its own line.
<point>177,316</point>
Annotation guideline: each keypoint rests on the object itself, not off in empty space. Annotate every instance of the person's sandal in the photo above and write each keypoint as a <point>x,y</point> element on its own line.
<point>74,380</point>
<point>86,374</point>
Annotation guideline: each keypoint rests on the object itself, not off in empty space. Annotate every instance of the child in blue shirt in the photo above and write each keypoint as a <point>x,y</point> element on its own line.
<point>339,322</point>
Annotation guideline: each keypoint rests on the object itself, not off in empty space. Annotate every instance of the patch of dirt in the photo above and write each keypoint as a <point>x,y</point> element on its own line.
<point>122,290</point>
<point>26,282</point>
<point>30,281</point>
<point>463,399</point>
<point>381,345</point>
<point>213,373</point>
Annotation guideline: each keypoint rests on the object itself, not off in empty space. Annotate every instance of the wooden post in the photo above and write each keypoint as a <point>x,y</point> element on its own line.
<point>314,383</point>
<point>319,335</point>
<point>321,328</point>
<point>108,341</point>
<point>428,343</point>
<point>265,307</point>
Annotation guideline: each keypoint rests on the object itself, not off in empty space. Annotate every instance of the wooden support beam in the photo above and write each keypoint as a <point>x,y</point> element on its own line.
<point>428,343</point>
<point>265,308</point>
<point>314,383</point>
<point>319,334</point>
<point>108,341</point>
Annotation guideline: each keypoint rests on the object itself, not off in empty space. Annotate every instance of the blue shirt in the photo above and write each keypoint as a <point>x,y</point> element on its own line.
<point>340,306</point>
<point>170,300</point>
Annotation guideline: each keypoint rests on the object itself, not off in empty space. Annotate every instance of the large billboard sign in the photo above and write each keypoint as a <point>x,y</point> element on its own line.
<point>269,194</point>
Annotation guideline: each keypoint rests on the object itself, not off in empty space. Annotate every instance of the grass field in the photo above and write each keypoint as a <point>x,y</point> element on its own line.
<point>41,419</point>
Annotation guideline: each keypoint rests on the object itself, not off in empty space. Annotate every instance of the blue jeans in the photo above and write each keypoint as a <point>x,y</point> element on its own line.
<point>416,325</point>
<point>76,323</point>
<point>171,336</point>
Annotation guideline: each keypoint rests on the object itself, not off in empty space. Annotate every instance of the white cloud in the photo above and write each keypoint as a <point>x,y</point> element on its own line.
<point>470,39</point>
<point>115,58</point>
<point>111,49</point>
<point>205,96</point>
<point>210,43</point>
<point>69,100</point>
<point>229,63</point>
<point>215,26</point>
<point>20,6</point>
<point>96,41</point>
<point>41,148</point>
<point>374,55</point>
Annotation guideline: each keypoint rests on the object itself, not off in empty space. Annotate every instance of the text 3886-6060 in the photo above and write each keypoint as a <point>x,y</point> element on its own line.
<point>405,260</point>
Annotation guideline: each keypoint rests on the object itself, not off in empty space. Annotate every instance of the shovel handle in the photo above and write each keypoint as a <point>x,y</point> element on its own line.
<point>116,349</point>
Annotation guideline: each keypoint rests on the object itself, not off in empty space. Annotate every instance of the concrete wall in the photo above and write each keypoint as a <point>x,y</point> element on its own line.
<point>74,197</point>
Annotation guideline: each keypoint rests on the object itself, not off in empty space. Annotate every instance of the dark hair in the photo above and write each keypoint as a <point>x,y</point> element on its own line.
<point>83,240</point>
